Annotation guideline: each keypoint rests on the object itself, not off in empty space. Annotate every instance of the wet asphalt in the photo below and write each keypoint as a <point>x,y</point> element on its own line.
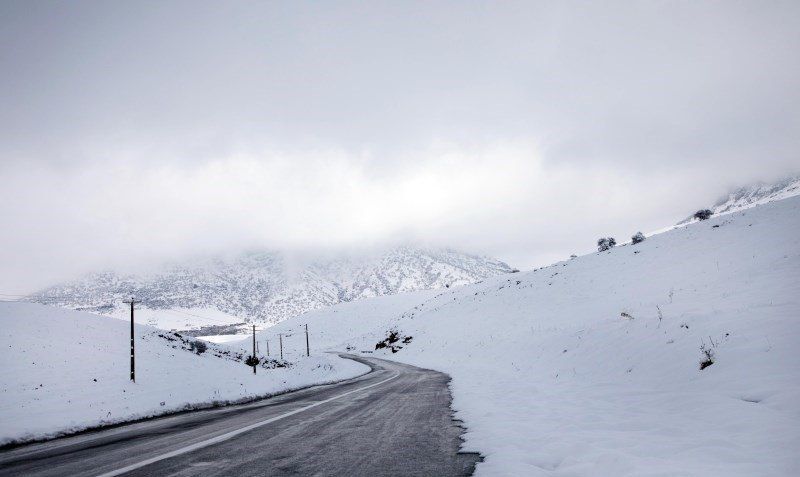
<point>395,420</point>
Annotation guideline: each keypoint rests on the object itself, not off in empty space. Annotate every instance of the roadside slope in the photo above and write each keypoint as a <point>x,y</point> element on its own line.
<point>592,366</point>
<point>63,371</point>
<point>330,326</point>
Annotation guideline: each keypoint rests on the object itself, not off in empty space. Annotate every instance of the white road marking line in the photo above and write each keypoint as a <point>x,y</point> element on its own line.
<point>228,435</point>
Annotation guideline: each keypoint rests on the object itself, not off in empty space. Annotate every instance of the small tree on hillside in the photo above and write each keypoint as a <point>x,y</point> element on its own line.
<point>639,237</point>
<point>605,243</point>
<point>703,214</point>
<point>198,346</point>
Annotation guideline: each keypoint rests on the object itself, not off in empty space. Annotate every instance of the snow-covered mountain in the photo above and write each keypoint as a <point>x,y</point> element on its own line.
<point>753,195</point>
<point>756,194</point>
<point>268,287</point>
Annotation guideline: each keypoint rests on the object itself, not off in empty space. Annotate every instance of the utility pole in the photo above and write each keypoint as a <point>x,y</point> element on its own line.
<point>280,339</point>
<point>308,350</point>
<point>267,348</point>
<point>132,302</point>
<point>254,349</point>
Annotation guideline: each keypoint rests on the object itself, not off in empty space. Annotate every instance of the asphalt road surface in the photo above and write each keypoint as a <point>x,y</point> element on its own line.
<point>395,420</point>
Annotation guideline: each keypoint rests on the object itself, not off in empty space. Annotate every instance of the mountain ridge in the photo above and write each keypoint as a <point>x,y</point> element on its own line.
<point>757,193</point>
<point>267,287</point>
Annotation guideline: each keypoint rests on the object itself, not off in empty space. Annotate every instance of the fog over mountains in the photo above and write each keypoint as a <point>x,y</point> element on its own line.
<point>268,287</point>
<point>756,194</point>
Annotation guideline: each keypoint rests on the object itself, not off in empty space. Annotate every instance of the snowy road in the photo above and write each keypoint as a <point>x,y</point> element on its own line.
<point>395,420</point>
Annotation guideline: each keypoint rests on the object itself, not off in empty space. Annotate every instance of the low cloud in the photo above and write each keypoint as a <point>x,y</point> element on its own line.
<point>142,132</point>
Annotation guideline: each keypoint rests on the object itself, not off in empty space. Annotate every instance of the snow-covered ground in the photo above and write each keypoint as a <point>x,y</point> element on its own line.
<point>328,327</point>
<point>222,339</point>
<point>587,367</point>
<point>62,371</point>
<point>178,318</point>
<point>592,366</point>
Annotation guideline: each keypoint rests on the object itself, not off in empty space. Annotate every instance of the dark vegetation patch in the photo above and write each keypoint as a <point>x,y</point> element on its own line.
<point>392,341</point>
<point>198,346</point>
<point>707,359</point>
<point>708,350</point>
<point>178,341</point>
<point>703,214</point>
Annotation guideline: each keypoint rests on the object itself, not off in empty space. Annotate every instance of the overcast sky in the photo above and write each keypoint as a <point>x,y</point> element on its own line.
<point>137,131</point>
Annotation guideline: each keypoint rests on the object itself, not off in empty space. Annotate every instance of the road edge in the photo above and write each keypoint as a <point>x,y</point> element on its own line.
<point>203,406</point>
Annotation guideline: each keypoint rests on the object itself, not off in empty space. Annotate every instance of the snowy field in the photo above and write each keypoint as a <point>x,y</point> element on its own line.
<point>592,366</point>
<point>328,327</point>
<point>177,318</point>
<point>64,371</point>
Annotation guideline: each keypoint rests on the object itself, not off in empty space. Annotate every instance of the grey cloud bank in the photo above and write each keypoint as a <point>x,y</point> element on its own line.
<point>140,131</point>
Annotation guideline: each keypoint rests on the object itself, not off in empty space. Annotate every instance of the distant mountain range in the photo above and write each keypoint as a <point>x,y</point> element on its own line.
<point>753,195</point>
<point>269,287</point>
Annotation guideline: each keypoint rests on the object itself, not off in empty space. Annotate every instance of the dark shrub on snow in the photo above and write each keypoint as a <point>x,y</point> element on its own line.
<point>390,342</point>
<point>704,214</point>
<point>198,347</point>
<point>605,243</point>
<point>708,357</point>
<point>639,237</point>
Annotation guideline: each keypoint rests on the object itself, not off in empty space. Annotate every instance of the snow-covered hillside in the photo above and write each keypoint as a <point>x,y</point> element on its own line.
<point>328,327</point>
<point>267,287</point>
<point>62,371</point>
<point>753,195</point>
<point>592,367</point>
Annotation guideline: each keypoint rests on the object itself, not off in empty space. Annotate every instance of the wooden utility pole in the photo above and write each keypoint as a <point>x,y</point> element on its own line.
<point>308,350</point>
<point>254,349</point>
<point>132,302</point>
<point>280,339</point>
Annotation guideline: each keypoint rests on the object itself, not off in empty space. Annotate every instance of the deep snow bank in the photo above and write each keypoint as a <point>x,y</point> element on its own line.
<point>592,366</point>
<point>63,371</point>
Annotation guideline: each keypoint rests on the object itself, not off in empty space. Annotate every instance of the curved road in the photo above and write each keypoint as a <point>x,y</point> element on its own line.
<point>395,420</point>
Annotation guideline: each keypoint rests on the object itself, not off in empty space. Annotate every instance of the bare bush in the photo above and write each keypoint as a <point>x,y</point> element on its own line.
<point>703,214</point>
<point>605,243</point>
